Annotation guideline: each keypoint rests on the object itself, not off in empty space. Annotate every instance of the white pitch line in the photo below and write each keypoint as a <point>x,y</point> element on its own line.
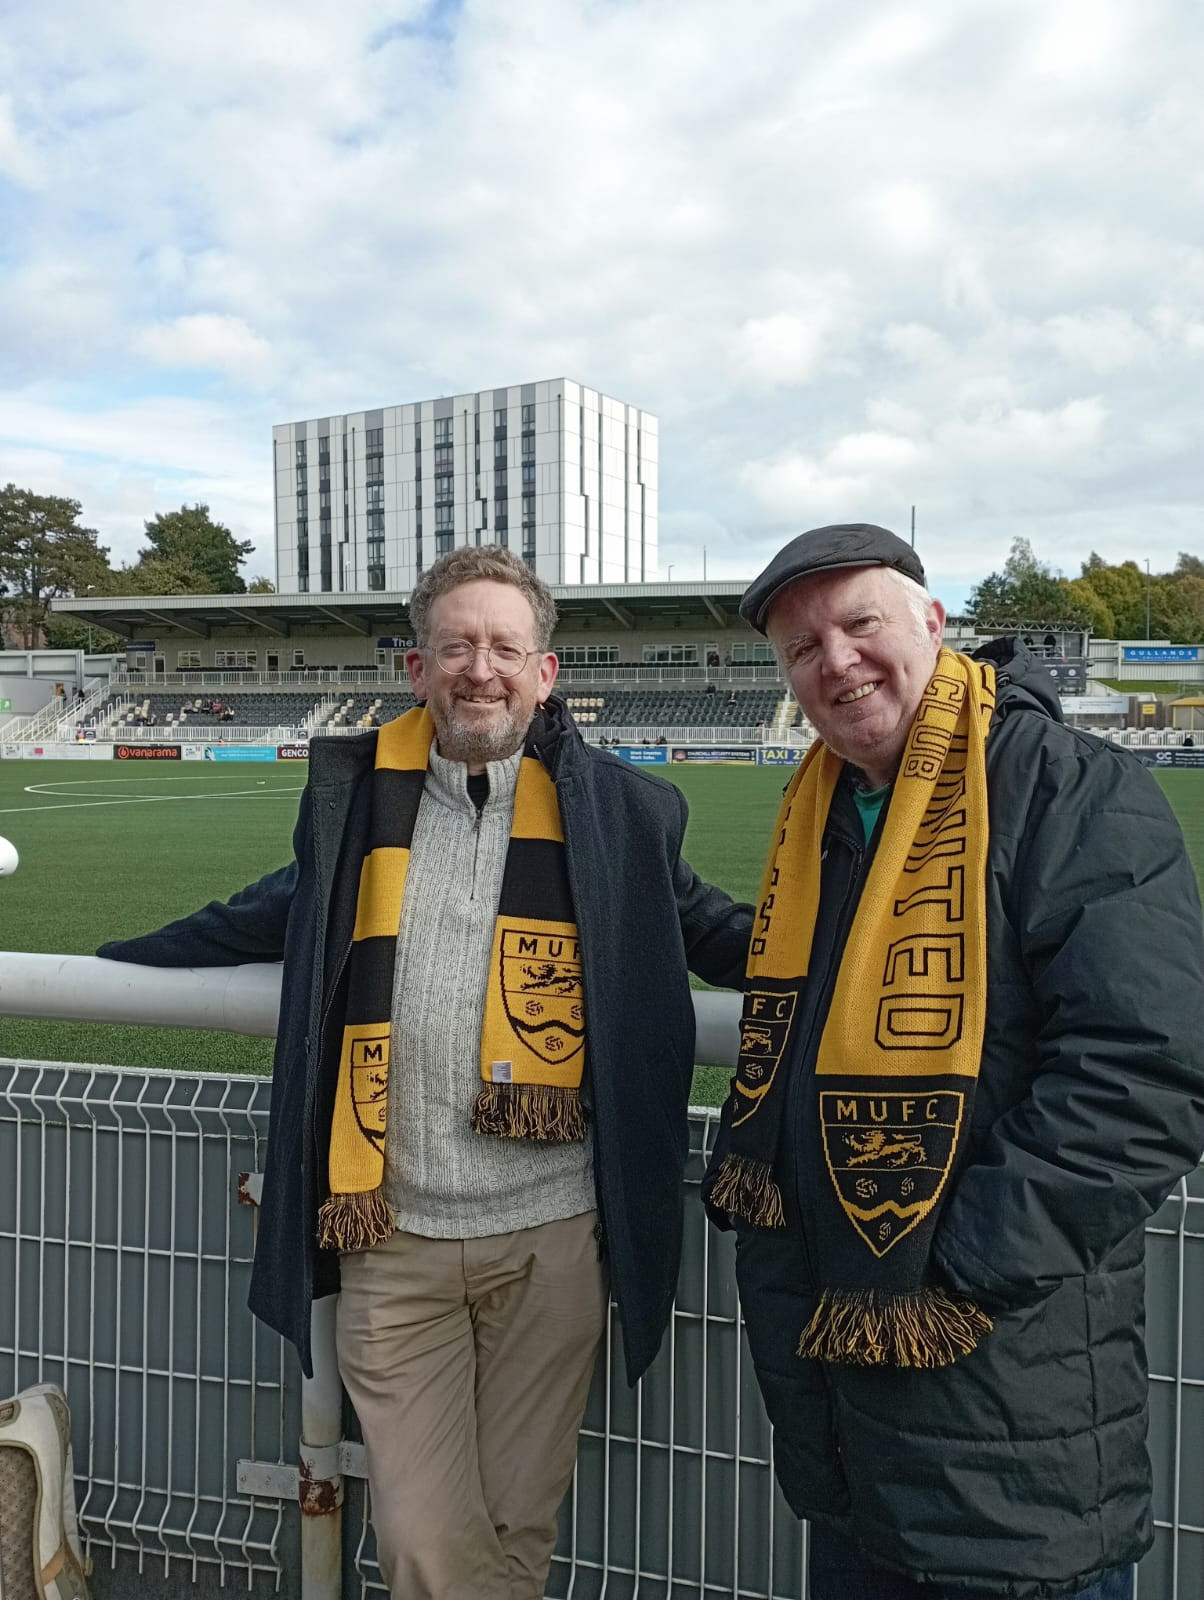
<point>141,800</point>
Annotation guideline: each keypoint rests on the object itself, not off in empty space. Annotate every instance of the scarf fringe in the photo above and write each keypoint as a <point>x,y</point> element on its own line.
<point>748,1189</point>
<point>543,1111</point>
<point>926,1327</point>
<point>355,1221</point>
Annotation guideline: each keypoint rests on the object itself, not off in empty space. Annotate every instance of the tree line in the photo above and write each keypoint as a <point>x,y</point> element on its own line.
<point>1124,601</point>
<point>46,551</point>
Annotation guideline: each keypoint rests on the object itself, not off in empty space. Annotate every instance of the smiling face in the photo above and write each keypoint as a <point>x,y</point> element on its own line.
<point>859,659</point>
<point>479,716</point>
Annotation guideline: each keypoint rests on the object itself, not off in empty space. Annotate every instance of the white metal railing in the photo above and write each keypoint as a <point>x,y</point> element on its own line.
<point>207,733</point>
<point>306,677</point>
<point>673,1489</point>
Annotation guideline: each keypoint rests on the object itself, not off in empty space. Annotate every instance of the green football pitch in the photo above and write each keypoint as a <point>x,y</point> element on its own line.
<point>109,850</point>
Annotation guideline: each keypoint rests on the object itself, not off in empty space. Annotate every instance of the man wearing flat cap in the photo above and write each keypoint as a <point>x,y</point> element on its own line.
<point>971,1068</point>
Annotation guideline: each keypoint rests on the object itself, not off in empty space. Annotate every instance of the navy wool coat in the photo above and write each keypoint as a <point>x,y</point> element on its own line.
<point>643,919</point>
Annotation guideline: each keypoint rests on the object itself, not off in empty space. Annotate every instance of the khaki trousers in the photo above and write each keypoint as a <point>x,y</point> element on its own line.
<point>469,1362</point>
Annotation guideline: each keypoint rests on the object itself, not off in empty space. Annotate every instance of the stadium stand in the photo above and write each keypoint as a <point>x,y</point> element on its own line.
<point>171,710</point>
<point>669,706</point>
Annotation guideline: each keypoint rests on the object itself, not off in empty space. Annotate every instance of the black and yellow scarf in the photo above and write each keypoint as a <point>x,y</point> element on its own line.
<point>533,1030</point>
<point>888,1107</point>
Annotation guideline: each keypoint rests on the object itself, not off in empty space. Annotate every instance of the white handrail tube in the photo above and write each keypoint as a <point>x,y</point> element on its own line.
<point>242,999</point>
<point>86,989</point>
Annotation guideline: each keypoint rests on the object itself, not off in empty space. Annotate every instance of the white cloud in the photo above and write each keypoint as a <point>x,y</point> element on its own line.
<point>17,161</point>
<point>207,340</point>
<point>857,255</point>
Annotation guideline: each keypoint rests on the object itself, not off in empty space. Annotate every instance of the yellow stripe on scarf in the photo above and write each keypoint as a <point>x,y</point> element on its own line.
<point>901,1045</point>
<point>533,1030</point>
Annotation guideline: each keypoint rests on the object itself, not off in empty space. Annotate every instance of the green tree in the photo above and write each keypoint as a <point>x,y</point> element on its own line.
<point>1025,591</point>
<point>1099,613</point>
<point>163,574</point>
<point>261,585</point>
<point>44,552</point>
<point>1188,566</point>
<point>1122,589</point>
<point>191,535</point>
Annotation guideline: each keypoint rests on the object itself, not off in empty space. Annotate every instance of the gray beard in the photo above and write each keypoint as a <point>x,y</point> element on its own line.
<point>460,743</point>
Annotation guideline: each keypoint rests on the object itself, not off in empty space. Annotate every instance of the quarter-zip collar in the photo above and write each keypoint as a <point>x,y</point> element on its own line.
<point>447,783</point>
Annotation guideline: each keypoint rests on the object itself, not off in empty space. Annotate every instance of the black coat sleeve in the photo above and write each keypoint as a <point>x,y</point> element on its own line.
<point>250,926</point>
<point>1107,916</point>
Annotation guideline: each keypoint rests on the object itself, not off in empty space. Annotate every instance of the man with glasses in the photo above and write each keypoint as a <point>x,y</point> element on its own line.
<point>482,1069</point>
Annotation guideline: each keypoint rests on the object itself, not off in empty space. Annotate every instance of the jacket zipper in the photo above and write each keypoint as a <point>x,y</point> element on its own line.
<point>476,851</point>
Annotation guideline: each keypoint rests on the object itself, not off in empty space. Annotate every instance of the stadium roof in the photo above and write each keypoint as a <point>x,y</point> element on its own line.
<point>624,605</point>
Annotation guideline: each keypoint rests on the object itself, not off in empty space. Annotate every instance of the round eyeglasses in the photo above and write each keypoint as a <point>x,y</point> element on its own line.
<point>457,655</point>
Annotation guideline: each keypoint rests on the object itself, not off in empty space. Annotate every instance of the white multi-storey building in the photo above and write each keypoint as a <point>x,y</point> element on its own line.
<point>563,475</point>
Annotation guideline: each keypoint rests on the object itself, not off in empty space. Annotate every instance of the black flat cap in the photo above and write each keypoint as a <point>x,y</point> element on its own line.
<point>844,544</point>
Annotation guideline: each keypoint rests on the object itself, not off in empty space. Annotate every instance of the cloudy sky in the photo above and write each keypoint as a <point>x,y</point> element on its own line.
<point>856,256</point>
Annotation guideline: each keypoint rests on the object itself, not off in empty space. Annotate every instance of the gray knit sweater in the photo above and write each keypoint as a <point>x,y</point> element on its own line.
<point>442,1179</point>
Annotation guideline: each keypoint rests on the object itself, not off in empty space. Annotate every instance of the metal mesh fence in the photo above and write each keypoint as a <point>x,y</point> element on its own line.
<point>128,1257</point>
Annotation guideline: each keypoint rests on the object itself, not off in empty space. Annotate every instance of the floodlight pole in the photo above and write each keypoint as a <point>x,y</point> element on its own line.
<point>1147,598</point>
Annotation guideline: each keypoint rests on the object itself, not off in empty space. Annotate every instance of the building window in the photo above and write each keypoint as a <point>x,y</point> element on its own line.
<point>444,457</point>
<point>375,469</point>
<point>752,655</point>
<point>302,530</point>
<point>528,447</point>
<point>528,416</point>
<point>499,481</point>
<point>376,577</point>
<point>324,449</point>
<point>499,424</point>
<point>445,490</point>
<point>528,474</point>
<point>444,542</point>
<point>589,655</point>
<point>443,432</point>
<point>529,510</point>
<point>417,439</point>
<point>188,660</point>
<point>671,655</point>
<point>376,522</point>
<point>501,514</point>
<point>300,452</point>
<point>236,660</point>
<point>375,493</point>
<point>443,516</point>
<point>528,543</point>
<point>374,439</point>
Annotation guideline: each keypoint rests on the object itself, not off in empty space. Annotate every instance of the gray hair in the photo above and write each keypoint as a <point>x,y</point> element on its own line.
<point>917,597</point>
<point>472,564</point>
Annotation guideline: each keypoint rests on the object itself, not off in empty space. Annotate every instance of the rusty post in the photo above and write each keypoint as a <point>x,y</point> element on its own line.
<point>320,1487</point>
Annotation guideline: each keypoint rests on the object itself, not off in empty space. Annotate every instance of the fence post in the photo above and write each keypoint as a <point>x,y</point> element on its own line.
<point>321,1484</point>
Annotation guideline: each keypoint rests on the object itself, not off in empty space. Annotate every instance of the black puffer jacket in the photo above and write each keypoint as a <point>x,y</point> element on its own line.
<point>1022,1469</point>
<point>643,917</point>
